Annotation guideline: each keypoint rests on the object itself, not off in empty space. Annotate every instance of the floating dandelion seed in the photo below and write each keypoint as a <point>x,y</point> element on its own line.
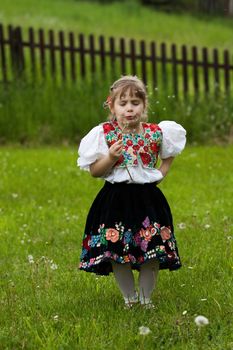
<point>201,321</point>
<point>144,330</point>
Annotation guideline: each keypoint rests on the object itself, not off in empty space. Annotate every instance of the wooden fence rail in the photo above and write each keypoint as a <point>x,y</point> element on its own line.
<point>69,57</point>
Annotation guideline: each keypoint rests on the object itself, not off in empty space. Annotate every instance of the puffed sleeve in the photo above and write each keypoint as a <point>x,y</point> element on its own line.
<point>174,139</point>
<point>92,147</point>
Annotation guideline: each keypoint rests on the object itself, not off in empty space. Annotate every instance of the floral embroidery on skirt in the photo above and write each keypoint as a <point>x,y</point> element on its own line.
<point>126,224</point>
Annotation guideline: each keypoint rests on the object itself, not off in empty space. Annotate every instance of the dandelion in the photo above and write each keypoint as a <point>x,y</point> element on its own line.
<point>182,226</point>
<point>144,330</point>
<point>53,266</point>
<point>30,259</point>
<point>201,321</point>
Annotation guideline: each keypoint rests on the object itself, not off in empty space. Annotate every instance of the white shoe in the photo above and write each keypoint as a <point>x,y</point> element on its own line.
<point>131,301</point>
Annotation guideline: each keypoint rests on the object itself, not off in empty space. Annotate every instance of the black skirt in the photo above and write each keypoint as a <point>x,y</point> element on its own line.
<point>124,224</point>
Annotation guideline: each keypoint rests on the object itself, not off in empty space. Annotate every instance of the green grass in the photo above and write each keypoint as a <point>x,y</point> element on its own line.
<point>117,19</point>
<point>49,114</point>
<point>44,200</point>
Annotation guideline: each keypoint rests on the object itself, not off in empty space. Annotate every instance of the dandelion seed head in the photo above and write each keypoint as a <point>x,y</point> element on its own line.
<point>201,321</point>
<point>182,226</point>
<point>207,226</point>
<point>30,259</point>
<point>53,266</point>
<point>144,330</point>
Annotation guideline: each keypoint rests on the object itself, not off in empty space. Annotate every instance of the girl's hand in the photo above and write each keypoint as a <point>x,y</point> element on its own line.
<point>115,150</point>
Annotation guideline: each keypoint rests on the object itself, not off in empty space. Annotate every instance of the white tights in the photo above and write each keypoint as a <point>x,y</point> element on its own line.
<point>147,280</point>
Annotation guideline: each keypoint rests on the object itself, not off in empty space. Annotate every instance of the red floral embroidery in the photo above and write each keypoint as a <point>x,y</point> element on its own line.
<point>136,147</point>
<point>154,146</point>
<point>145,157</point>
<point>147,146</point>
<point>140,142</point>
<point>85,242</point>
<point>108,127</point>
<point>129,142</point>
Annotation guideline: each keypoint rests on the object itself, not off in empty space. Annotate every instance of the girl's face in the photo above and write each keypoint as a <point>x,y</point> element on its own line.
<point>128,110</point>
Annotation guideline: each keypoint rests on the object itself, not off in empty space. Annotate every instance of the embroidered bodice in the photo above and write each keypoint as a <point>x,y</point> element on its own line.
<point>144,146</point>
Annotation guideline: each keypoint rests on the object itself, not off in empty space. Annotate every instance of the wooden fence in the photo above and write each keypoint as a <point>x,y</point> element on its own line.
<point>68,57</point>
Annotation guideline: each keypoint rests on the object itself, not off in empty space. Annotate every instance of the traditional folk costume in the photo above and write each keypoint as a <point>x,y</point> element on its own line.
<point>125,221</point>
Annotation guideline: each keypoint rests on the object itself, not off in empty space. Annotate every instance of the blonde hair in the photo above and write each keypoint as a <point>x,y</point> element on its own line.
<point>127,83</point>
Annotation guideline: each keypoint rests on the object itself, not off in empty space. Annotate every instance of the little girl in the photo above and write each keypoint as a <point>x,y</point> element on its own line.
<point>129,225</point>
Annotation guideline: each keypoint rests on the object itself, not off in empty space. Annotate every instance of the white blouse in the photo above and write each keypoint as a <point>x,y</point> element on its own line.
<point>93,146</point>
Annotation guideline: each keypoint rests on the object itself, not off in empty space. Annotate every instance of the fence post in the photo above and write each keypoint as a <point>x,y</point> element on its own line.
<point>133,56</point>
<point>122,56</point>
<point>185,71</point>
<point>16,45</point>
<point>205,68</point>
<point>3,55</point>
<point>226,70</point>
<point>195,70</point>
<point>154,65</point>
<point>216,71</point>
<point>174,69</point>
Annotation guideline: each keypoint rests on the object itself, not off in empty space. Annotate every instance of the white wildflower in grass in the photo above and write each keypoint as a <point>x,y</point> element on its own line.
<point>144,330</point>
<point>207,226</point>
<point>56,317</point>
<point>190,267</point>
<point>30,259</point>
<point>184,312</point>
<point>182,226</point>
<point>53,266</point>
<point>14,195</point>
<point>203,299</point>
<point>201,321</point>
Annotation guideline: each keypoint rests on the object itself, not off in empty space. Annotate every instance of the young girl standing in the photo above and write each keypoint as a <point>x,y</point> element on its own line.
<point>129,225</point>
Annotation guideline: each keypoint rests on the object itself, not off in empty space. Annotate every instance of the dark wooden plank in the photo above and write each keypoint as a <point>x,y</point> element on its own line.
<point>102,54</point>
<point>163,49</point>
<point>42,51</point>
<point>226,70</point>
<point>3,55</point>
<point>122,56</point>
<point>92,53</point>
<point>133,56</point>
<point>62,54</point>
<point>72,56</point>
<point>153,50</point>
<point>52,53</point>
<point>184,69</point>
<point>174,69</point>
<point>143,60</point>
<point>10,31</point>
<point>205,68</point>
<point>195,69</point>
<point>216,71</point>
<point>31,43</point>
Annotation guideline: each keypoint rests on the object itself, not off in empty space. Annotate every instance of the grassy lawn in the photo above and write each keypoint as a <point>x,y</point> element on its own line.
<point>117,19</point>
<point>46,303</point>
